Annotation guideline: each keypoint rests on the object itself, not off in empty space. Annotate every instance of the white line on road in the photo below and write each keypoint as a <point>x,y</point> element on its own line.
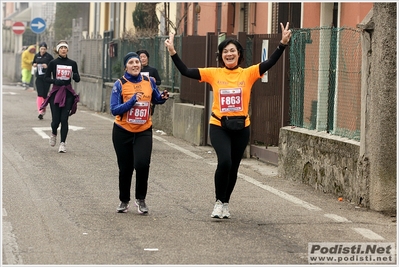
<point>40,130</point>
<point>337,218</point>
<point>368,234</point>
<point>185,151</point>
<point>365,232</point>
<point>279,193</point>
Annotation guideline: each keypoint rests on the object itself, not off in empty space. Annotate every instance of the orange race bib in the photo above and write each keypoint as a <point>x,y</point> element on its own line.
<point>230,100</point>
<point>63,72</point>
<point>139,113</point>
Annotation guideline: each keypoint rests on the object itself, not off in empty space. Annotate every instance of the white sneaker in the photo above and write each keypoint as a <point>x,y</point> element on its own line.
<point>123,207</point>
<point>53,140</point>
<point>62,148</point>
<point>217,210</point>
<point>225,211</point>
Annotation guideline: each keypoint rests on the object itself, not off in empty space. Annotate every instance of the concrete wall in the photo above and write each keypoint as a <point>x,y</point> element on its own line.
<point>327,163</point>
<point>187,123</point>
<point>11,69</point>
<point>90,91</point>
<point>381,112</point>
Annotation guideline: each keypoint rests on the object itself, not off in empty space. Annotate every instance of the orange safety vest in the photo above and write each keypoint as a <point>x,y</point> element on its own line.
<point>138,118</point>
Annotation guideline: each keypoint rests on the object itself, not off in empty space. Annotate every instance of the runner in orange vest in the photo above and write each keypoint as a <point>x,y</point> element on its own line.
<point>229,124</point>
<point>130,103</point>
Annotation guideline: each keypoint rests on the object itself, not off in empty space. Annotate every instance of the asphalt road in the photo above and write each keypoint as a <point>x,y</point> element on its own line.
<point>61,208</point>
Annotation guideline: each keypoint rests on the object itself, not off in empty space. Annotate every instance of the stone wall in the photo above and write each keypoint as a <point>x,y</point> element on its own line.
<point>327,163</point>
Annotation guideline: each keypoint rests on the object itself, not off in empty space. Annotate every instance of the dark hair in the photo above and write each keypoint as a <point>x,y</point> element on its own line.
<point>43,44</point>
<point>224,43</point>
<point>143,52</point>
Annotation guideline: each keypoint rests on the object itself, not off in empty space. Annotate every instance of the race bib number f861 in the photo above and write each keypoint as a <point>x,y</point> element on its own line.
<point>230,100</point>
<point>138,114</point>
<point>63,72</point>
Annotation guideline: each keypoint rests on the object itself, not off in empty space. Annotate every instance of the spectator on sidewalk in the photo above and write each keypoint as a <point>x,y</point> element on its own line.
<point>40,63</point>
<point>130,101</point>
<point>26,65</point>
<point>148,70</point>
<point>229,124</point>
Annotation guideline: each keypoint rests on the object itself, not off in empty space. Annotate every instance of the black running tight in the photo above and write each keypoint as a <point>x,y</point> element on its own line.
<point>42,87</point>
<point>229,147</point>
<point>61,115</point>
<point>133,152</point>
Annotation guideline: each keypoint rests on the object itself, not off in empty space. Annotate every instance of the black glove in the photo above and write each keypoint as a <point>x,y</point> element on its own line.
<point>60,82</point>
<point>165,93</point>
<point>75,76</point>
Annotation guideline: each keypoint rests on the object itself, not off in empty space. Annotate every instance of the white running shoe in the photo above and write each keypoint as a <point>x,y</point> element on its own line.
<point>123,207</point>
<point>217,210</point>
<point>141,206</point>
<point>53,140</point>
<point>225,211</point>
<point>62,148</point>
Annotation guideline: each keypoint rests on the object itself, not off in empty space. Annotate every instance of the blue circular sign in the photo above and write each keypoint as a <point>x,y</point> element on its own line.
<point>37,25</point>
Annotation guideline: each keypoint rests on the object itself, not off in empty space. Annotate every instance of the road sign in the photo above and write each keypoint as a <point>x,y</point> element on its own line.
<point>18,27</point>
<point>37,25</point>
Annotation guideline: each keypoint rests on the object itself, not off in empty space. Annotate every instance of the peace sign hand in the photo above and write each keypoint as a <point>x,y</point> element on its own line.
<point>285,33</point>
<point>169,44</point>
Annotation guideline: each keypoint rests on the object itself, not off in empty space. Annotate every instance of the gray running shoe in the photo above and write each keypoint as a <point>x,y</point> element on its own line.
<point>217,210</point>
<point>62,148</point>
<point>123,207</point>
<point>53,140</point>
<point>141,206</point>
<point>225,211</point>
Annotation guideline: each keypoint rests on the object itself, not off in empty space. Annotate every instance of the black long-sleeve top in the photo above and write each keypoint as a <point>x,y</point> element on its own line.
<point>153,72</point>
<point>42,59</point>
<point>51,73</point>
<point>194,73</point>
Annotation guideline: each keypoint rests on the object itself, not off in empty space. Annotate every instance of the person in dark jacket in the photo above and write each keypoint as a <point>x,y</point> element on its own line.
<point>62,98</point>
<point>40,63</point>
<point>148,70</point>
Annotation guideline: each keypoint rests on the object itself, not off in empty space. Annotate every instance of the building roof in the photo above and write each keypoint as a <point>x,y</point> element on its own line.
<point>24,15</point>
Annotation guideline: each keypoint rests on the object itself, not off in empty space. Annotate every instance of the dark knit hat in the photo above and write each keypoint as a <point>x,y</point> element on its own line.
<point>143,52</point>
<point>43,44</point>
<point>129,56</point>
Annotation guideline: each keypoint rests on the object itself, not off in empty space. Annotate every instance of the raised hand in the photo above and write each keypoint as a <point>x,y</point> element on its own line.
<point>285,33</point>
<point>169,44</point>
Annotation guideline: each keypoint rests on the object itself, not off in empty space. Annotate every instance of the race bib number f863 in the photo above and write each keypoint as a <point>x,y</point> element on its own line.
<point>63,72</point>
<point>230,99</point>
<point>138,114</point>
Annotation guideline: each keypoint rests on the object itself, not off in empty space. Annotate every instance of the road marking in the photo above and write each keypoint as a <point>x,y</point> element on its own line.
<point>185,151</point>
<point>365,232</point>
<point>40,130</point>
<point>279,193</point>
<point>151,249</point>
<point>337,218</point>
<point>368,234</point>
<point>9,93</point>
<point>102,117</point>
